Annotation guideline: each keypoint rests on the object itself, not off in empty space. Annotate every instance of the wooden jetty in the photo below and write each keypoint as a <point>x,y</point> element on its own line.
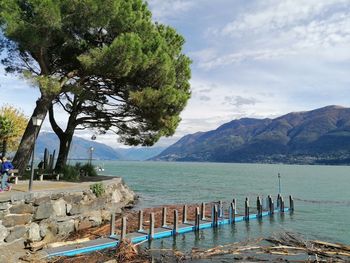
<point>218,217</point>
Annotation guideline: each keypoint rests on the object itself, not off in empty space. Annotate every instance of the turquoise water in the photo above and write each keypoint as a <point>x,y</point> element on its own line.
<point>322,196</point>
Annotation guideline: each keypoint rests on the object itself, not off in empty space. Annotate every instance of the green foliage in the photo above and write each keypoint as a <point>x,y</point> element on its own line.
<point>70,173</point>
<point>88,169</point>
<point>106,61</point>
<point>98,189</point>
<point>12,125</point>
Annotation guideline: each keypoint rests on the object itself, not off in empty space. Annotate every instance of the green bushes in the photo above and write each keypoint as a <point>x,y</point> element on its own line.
<point>98,189</point>
<point>70,173</point>
<point>88,169</point>
<point>73,173</point>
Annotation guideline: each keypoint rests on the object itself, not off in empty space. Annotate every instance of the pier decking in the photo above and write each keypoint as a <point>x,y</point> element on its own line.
<point>219,216</point>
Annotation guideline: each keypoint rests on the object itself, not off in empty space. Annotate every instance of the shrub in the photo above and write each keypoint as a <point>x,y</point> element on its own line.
<point>89,169</point>
<point>98,189</point>
<point>70,173</point>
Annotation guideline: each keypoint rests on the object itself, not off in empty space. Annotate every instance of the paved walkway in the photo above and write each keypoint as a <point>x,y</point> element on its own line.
<point>20,190</point>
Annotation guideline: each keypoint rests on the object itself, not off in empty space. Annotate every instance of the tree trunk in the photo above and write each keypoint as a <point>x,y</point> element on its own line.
<point>66,136</point>
<point>65,143</point>
<point>25,148</point>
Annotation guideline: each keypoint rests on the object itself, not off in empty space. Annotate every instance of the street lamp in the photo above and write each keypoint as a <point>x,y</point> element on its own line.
<point>36,121</point>
<point>279,183</point>
<point>93,138</point>
<point>91,150</point>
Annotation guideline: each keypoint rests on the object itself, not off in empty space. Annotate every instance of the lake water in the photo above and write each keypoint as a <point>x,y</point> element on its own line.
<point>321,193</point>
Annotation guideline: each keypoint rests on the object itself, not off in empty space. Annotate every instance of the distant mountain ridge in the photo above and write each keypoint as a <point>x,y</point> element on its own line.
<point>80,149</point>
<point>317,136</point>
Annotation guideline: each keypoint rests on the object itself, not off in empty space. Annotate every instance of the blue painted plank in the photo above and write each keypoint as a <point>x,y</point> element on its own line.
<point>104,243</point>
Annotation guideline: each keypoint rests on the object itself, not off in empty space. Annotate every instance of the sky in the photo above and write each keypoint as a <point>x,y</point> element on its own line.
<point>258,59</point>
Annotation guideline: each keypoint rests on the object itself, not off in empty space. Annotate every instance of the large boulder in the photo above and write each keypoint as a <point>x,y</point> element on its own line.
<point>95,218</point>
<point>45,210</point>
<point>59,207</point>
<point>3,214</point>
<point>73,198</point>
<point>34,232</point>
<point>66,227</point>
<point>22,209</point>
<point>87,207</point>
<point>48,225</point>
<point>84,224</point>
<point>4,206</point>
<point>42,200</point>
<point>15,220</point>
<point>17,233</point>
<point>3,233</point>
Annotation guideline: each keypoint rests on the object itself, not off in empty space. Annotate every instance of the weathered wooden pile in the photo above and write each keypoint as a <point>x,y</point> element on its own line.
<point>219,216</point>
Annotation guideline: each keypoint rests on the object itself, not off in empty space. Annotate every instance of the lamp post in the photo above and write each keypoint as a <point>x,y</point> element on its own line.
<point>279,183</point>
<point>36,123</point>
<point>91,150</point>
<point>93,137</point>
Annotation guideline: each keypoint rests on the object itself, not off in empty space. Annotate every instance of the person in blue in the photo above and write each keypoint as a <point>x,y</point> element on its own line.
<point>6,166</point>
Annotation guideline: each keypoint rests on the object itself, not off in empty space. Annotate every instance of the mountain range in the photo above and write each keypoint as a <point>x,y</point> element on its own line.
<point>309,137</point>
<point>80,149</point>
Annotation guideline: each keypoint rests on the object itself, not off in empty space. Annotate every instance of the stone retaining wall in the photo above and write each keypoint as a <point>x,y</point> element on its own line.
<point>51,216</point>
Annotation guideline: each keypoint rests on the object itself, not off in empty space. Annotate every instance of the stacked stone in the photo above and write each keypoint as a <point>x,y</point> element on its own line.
<point>50,216</point>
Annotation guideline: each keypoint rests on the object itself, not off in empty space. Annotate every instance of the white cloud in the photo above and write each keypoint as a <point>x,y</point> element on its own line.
<point>279,14</point>
<point>244,55</point>
<point>281,30</point>
<point>165,9</point>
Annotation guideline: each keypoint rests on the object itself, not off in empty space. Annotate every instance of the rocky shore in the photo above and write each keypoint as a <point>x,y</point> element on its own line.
<point>47,216</point>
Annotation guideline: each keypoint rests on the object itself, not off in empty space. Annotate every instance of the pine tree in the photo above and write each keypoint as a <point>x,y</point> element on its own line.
<point>101,52</point>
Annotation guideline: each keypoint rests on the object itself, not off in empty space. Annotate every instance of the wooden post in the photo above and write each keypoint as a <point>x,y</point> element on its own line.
<point>123,233</point>
<point>235,204</point>
<point>197,218</point>
<point>291,203</point>
<point>233,207</point>
<point>140,221</point>
<point>112,225</point>
<point>216,215</point>
<point>176,222</point>
<point>184,214</point>
<point>220,209</point>
<point>259,206</point>
<point>246,212</point>
<point>151,227</point>
<point>213,214</point>
<point>203,211</point>
<point>230,214</point>
<point>164,217</point>
<point>270,206</point>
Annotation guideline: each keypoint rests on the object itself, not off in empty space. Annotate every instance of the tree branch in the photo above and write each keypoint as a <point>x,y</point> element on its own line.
<point>57,129</point>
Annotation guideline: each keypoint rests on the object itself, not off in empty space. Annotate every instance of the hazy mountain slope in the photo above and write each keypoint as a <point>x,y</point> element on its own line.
<point>319,134</point>
<point>80,149</point>
<point>139,154</point>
